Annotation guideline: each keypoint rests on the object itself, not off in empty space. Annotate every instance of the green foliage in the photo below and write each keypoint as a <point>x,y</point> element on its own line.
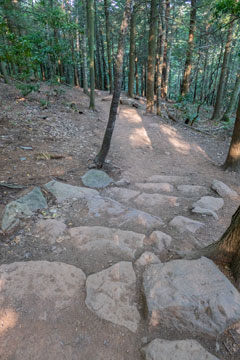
<point>26,88</point>
<point>228,7</point>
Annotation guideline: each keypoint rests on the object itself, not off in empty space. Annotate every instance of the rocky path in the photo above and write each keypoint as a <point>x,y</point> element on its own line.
<point>98,279</point>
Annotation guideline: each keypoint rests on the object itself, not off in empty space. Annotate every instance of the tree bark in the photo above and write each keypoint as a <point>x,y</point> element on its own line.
<point>90,9</point>
<point>222,81</point>
<point>161,42</point>
<point>164,85</point>
<point>227,249</point>
<point>109,56</point>
<point>84,49</point>
<point>98,57</point>
<point>151,56</point>
<point>233,100</point>
<point>188,63</point>
<point>132,52</point>
<point>101,156</point>
<point>233,159</point>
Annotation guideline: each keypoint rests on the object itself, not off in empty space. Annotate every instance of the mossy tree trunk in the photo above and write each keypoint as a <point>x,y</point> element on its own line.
<point>233,100</point>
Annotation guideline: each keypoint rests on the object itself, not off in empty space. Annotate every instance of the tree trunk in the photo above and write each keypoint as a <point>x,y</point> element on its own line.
<point>188,63</point>
<point>109,56</point>
<point>101,156</point>
<point>233,159</point>
<point>84,49</point>
<point>151,56</point>
<point>161,42</point>
<point>132,52</point>
<point>233,100</point>
<point>222,81</point>
<point>105,82</point>
<point>98,57</point>
<point>164,85</point>
<point>136,74</point>
<point>90,9</point>
<point>4,72</point>
<point>227,249</point>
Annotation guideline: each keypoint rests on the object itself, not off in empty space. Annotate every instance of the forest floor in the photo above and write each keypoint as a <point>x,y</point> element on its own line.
<point>52,135</point>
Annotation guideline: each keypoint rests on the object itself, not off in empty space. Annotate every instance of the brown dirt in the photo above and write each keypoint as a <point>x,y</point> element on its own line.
<point>58,122</point>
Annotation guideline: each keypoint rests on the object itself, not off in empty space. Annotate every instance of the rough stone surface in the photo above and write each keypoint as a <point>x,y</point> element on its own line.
<point>156,187</point>
<point>202,211</point>
<point>192,190</point>
<point>97,238</point>
<point>191,296</point>
<point>160,240</point>
<point>210,203</point>
<point>223,189</point>
<point>117,215</point>
<point>110,295</point>
<point>182,224</point>
<point>121,194</point>
<point>168,178</point>
<point>23,207</point>
<point>154,202</point>
<point>122,182</point>
<point>38,283</point>
<point>65,191</point>
<point>96,179</point>
<point>160,349</point>
<point>49,230</point>
<point>147,258</point>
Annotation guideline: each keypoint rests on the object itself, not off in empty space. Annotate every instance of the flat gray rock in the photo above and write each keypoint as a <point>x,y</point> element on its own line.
<point>97,238</point>
<point>182,224</point>
<point>160,241</point>
<point>223,190</point>
<point>168,178</point>
<point>110,295</point>
<point>204,212</point>
<point>49,230</point>
<point>23,207</point>
<point>121,194</point>
<point>156,187</point>
<point>210,203</point>
<point>96,179</point>
<point>160,349</point>
<point>65,191</point>
<point>154,202</point>
<point>192,190</point>
<point>192,296</point>
<point>147,258</point>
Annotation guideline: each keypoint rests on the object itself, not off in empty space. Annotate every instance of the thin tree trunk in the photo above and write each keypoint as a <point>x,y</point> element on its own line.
<point>161,41</point>
<point>233,159</point>
<point>101,156</point>
<point>164,85</point>
<point>222,81</point>
<point>233,100</point>
<point>109,56</point>
<point>105,82</point>
<point>151,56</point>
<point>4,72</point>
<point>99,65</point>
<point>84,49</point>
<point>90,8</point>
<point>132,52</point>
<point>188,63</point>
<point>136,74</point>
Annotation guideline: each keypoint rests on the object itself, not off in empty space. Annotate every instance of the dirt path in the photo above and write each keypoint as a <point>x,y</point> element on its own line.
<point>71,275</point>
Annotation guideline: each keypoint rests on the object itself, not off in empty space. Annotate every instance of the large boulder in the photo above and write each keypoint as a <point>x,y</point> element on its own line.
<point>160,349</point>
<point>65,191</point>
<point>23,207</point>
<point>192,296</point>
<point>110,295</point>
<point>96,179</point>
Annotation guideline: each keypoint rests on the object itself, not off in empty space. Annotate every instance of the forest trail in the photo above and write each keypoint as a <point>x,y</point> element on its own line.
<point>84,277</point>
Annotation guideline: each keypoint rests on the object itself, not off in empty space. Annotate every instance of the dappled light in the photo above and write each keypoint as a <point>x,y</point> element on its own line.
<point>139,137</point>
<point>8,319</point>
